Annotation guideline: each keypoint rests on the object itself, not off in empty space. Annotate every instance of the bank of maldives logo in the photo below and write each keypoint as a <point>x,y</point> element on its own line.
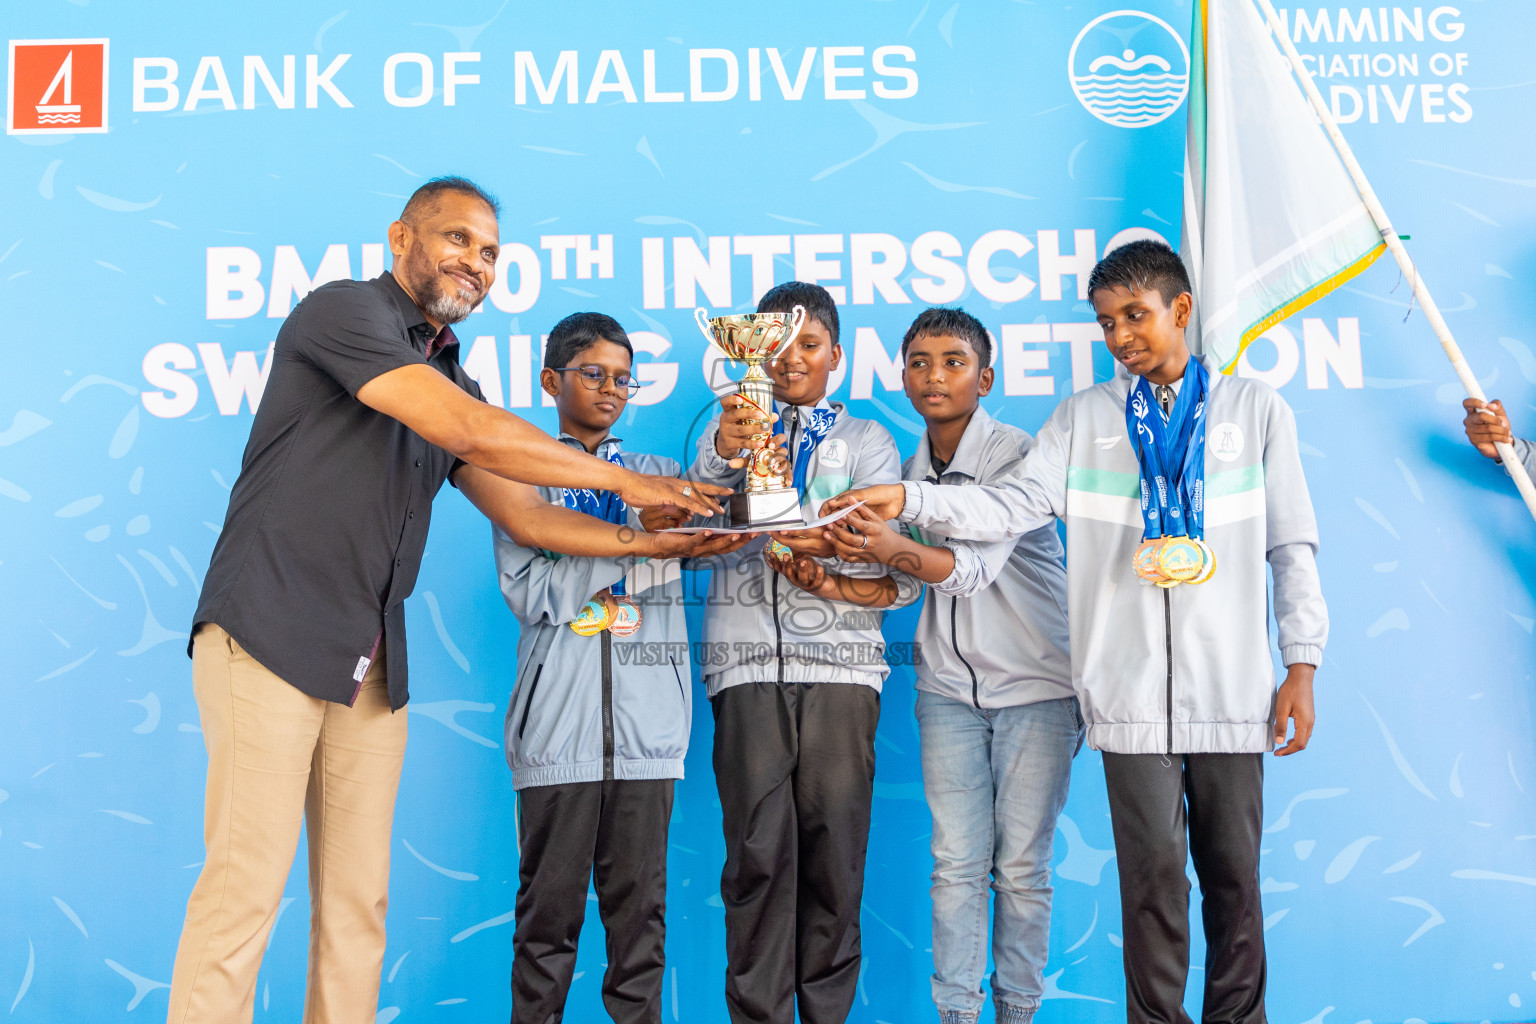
<point>1129,69</point>
<point>57,86</point>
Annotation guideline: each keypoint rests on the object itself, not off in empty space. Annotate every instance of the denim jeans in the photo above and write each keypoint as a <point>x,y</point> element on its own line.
<point>996,780</point>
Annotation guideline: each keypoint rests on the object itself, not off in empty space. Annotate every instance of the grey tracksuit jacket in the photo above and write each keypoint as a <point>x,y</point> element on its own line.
<point>994,633</point>
<point>1187,670</point>
<point>590,708</point>
<point>1526,451</point>
<point>751,606</point>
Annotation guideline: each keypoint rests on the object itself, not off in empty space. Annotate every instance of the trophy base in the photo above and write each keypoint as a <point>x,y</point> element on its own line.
<point>767,509</point>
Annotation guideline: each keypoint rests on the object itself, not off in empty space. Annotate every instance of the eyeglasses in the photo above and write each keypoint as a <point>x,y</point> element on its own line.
<point>593,378</point>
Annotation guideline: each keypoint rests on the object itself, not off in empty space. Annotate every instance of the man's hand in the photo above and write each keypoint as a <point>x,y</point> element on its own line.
<point>805,542</point>
<point>885,501</point>
<point>691,545</point>
<point>1486,425</point>
<point>641,490</point>
<point>662,517</point>
<point>1294,704</point>
<point>801,570</point>
<point>742,425</point>
<point>862,536</point>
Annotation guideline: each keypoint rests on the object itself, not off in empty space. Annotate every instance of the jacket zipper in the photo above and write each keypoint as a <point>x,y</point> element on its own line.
<point>954,641</point>
<point>607,706</point>
<point>533,688</point>
<point>1168,645</point>
<point>679,677</point>
<point>778,631</point>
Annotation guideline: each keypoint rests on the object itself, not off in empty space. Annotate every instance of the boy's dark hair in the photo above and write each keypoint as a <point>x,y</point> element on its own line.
<point>425,197</point>
<point>578,332</point>
<point>1139,266</point>
<point>954,322</point>
<point>816,300</point>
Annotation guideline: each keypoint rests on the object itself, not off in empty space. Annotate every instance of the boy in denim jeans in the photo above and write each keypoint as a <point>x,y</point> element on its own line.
<point>996,716</point>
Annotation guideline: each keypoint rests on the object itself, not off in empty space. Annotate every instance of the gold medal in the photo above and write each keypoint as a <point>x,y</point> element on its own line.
<point>1180,559</point>
<point>592,619</point>
<point>1145,561</point>
<point>1208,569</point>
<point>626,618</point>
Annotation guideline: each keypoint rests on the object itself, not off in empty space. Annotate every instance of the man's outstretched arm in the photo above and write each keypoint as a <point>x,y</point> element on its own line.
<point>508,446</point>
<point>524,515</point>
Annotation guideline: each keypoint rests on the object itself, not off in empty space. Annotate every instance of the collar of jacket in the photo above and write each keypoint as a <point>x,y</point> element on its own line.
<point>967,457</point>
<point>825,403</point>
<point>1213,377</point>
<point>602,446</point>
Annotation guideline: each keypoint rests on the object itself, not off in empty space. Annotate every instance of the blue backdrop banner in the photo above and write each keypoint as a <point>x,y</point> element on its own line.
<point>176,176</point>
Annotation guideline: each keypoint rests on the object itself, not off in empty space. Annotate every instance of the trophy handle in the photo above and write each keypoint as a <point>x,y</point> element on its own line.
<point>701,317</point>
<point>796,321</point>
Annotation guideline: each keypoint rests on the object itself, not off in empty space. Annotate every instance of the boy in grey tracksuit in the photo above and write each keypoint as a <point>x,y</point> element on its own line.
<point>597,725</point>
<point>794,663</point>
<point>997,718</point>
<point>1177,685</point>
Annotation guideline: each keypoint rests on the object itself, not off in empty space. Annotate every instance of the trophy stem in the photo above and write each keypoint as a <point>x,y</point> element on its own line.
<point>767,498</point>
<point>756,388</point>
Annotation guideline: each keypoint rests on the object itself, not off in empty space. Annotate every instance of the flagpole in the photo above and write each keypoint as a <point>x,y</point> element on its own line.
<point>1395,246</point>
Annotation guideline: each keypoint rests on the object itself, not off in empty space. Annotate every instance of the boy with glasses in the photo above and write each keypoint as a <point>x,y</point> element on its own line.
<point>595,733</point>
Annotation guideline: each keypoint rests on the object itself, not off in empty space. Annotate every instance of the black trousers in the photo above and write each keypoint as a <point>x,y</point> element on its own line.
<point>1163,810</point>
<point>615,834</point>
<point>795,765</point>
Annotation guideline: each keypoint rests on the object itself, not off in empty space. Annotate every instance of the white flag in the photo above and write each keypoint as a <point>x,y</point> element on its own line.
<point>1272,220</point>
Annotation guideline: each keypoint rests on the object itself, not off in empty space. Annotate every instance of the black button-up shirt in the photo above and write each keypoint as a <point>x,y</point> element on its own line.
<point>328,519</point>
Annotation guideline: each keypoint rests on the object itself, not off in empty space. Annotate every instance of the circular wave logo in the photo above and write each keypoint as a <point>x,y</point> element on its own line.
<point>1129,68</point>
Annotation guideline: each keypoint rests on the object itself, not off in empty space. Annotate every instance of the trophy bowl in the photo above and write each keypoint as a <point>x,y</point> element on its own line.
<point>767,499</point>
<point>750,337</point>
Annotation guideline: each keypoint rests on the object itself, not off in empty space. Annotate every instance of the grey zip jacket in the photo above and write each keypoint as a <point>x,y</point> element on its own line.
<point>1187,670</point>
<point>994,633</point>
<point>1526,452</point>
<point>592,708</point>
<point>751,606</point>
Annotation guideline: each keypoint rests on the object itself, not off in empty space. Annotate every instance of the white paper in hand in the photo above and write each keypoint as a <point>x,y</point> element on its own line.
<point>814,524</point>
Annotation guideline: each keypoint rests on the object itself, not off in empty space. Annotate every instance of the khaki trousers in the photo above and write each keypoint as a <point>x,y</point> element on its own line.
<point>277,757</point>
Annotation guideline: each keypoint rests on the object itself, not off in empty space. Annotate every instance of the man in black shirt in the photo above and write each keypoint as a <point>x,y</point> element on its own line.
<point>299,653</point>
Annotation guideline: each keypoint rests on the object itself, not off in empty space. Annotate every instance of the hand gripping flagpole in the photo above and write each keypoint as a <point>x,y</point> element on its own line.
<point>1395,246</point>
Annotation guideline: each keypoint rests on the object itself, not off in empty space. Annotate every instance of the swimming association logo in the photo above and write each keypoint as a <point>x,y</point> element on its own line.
<point>1129,68</point>
<point>57,86</point>
<point>1226,441</point>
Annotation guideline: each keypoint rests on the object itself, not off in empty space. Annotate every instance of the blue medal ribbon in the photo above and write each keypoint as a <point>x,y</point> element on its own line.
<point>814,425</point>
<point>1170,505</point>
<point>604,505</point>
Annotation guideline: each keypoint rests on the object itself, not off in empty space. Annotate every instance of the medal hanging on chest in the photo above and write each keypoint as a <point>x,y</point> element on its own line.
<point>1171,451</point>
<point>610,609</point>
<point>592,619</point>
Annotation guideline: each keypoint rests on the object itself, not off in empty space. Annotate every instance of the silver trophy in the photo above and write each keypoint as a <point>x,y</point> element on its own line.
<point>768,499</point>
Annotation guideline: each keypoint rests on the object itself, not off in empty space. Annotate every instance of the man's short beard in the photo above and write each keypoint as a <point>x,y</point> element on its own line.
<point>448,309</point>
<point>442,304</point>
